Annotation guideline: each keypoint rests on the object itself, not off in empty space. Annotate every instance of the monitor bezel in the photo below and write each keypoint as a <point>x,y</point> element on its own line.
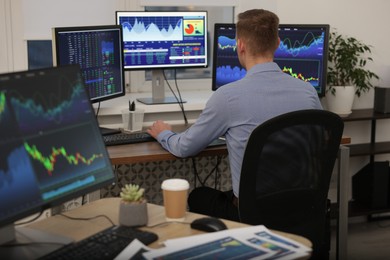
<point>326,28</point>
<point>57,30</point>
<point>167,66</point>
<point>43,205</point>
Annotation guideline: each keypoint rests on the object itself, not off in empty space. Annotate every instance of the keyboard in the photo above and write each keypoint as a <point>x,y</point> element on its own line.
<point>127,138</point>
<point>217,142</point>
<point>106,244</point>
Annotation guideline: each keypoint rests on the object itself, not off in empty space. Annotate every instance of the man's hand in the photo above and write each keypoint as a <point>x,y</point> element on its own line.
<point>157,128</point>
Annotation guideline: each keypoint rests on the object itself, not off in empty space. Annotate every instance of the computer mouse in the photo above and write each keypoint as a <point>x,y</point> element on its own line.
<point>208,224</point>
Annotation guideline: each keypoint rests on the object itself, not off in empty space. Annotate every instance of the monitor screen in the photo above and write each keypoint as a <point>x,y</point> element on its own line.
<point>161,40</point>
<point>302,53</point>
<point>99,52</point>
<point>226,66</point>
<point>50,144</point>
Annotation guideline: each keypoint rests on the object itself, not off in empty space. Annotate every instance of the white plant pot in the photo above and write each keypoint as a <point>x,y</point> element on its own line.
<point>133,214</point>
<point>341,103</point>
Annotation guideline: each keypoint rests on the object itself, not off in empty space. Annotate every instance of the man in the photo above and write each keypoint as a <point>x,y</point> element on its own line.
<point>235,109</point>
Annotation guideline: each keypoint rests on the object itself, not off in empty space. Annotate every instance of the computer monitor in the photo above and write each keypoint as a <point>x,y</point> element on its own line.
<point>226,66</point>
<point>163,40</point>
<point>302,53</point>
<point>99,52</point>
<point>50,146</point>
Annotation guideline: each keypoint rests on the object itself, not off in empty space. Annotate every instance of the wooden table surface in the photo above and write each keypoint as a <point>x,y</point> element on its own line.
<point>79,229</point>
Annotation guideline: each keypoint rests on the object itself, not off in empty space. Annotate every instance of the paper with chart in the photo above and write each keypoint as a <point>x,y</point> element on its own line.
<point>255,242</point>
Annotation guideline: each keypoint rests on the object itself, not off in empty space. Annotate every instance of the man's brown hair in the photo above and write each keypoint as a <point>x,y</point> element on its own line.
<point>258,28</point>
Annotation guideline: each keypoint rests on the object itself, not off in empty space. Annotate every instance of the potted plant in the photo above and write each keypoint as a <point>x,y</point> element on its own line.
<point>133,206</point>
<point>347,73</point>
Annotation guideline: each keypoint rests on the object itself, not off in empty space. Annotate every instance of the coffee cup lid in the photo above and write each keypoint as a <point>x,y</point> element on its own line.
<point>175,184</point>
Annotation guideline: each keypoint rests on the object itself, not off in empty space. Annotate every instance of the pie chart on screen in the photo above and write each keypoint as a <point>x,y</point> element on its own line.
<point>190,29</point>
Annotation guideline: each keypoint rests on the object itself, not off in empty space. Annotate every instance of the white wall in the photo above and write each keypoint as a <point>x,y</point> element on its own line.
<point>42,15</point>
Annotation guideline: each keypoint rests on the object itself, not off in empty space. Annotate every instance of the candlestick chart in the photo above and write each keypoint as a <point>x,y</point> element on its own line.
<point>51,159</point>
<point>59,155</point>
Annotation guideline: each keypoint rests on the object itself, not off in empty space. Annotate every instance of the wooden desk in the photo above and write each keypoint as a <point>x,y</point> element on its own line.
<point>79,229</point>
<point>152,151</point>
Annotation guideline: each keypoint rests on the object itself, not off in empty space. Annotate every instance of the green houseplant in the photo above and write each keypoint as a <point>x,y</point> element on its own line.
<point>133,206</point>
<point>347,60</point>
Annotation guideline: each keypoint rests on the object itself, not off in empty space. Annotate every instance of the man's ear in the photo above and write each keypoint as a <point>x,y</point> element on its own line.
<point>240,45</point>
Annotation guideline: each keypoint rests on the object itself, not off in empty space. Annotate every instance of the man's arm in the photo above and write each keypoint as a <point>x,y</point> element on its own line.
<point>211,124</point>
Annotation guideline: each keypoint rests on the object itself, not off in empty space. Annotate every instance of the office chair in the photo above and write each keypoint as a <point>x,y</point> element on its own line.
<point>286,172</point>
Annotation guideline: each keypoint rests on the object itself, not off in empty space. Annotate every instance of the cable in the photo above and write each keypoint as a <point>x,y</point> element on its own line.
<point>381,225</point>
<point>196,175</point>
<point>83,198</point>
<point>217,173</point>
<point>53,243</point>
<point>214,170</point>
<point>178,92</point>
<point>31,220</point>
<point>179,100</point>
<point>97,110</point>
<point>116,167</point>
<point>98,216</point>
<point>167,223</point>
<point>182,104</point>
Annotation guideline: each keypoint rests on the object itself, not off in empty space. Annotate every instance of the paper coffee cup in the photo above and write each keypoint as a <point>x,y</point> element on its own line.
<point>175,193</point>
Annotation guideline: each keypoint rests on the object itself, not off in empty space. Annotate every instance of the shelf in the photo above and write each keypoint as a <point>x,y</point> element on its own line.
<point>366,149</point>
<point>369,149</point>
<point>365,114</point>
<point>356,209</point>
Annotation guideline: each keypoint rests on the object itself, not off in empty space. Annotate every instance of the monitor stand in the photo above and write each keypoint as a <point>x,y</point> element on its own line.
<point>38,243</point>
<point>158,91</point>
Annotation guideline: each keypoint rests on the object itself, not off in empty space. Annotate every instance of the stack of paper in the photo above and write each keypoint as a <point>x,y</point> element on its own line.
<point>255,242</point>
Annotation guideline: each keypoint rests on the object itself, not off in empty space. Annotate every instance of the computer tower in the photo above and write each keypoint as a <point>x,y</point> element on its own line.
<point>370,186</point>
<point>382,100</point>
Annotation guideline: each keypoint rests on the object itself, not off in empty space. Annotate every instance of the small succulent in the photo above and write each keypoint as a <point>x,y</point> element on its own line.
<point>132,193</point>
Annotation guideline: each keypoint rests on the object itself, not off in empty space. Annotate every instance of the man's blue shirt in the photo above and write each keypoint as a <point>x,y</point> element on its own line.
<point>235,109</point>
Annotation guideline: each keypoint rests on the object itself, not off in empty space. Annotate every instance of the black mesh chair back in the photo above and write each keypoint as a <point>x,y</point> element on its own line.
<point>286,174</point>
